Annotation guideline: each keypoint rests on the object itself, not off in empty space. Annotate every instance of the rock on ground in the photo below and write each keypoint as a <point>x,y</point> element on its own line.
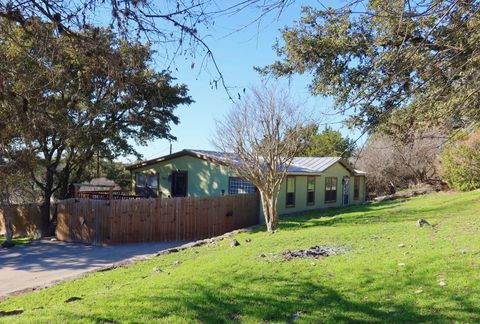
<point>316,252</point>
<point>422,222</point>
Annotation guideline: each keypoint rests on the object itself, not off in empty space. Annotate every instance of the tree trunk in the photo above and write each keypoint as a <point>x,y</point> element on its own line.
<point>64,182</point>
<point>8,227</point>
<point>269,207</point>
<point>6,206</point>
<point>45,208</point>
<point>45,211</point>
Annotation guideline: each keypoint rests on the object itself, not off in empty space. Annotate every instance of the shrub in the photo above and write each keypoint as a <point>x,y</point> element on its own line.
<point>460,163</point>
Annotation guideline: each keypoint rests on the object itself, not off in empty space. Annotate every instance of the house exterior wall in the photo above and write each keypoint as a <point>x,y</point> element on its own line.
<point>336,170</point>
<point>207,178</point>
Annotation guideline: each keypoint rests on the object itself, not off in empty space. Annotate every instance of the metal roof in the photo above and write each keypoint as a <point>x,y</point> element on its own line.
<point>305,165</point>
<point>314,164</point>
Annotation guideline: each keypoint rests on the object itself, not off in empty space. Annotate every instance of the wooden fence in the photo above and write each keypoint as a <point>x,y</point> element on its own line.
<point>153,220</point>
<point>26,220</point>
<point>106,195</point>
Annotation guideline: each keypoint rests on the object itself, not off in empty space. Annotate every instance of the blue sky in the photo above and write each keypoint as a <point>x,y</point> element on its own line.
<point>236,55</point>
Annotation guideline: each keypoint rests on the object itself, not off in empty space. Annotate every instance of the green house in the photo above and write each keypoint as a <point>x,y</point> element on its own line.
<point>311,183</point>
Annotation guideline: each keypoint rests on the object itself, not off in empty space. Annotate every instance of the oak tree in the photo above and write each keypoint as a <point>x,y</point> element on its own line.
<point>73,97</point>
<point>417,58</point>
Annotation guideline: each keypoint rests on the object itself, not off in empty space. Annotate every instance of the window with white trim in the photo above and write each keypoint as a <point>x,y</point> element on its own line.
<point>240,186</point>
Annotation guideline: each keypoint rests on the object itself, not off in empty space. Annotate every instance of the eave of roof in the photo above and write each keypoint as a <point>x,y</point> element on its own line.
<point>301,167</point>
<point>172,156</point>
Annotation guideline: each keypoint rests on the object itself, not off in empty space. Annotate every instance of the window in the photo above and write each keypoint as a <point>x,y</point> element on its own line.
<point>310,190</point>
<point>179,183</point>
<point>356,188</point>
<point>290,198</point>
<point>240,186</point>
<point>146,185</point>
<point>330,189</point>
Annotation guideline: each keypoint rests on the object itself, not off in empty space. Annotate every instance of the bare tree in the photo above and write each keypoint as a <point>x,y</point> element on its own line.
<point>394,165</point>
<point>260,137</point>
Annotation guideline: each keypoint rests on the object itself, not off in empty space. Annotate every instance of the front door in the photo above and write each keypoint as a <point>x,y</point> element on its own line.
<point>346,190</point>
<point>179,183</point>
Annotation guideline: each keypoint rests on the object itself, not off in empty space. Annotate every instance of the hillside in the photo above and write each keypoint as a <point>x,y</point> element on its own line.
<point>386,269</point>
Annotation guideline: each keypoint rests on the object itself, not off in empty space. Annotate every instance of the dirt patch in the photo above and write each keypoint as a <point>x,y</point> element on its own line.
<point>316,252</point>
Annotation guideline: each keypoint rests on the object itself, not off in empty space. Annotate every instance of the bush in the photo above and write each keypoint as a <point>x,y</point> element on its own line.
<point>460,164</point>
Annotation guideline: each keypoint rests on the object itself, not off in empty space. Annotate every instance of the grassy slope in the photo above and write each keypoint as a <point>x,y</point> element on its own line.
<point>218,283</point>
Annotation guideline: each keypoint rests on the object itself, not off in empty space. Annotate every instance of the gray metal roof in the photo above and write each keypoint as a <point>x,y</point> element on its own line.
<point>299,164</point>
<point>220,156</point>
<point>306,165</point>
<point>314,164</point>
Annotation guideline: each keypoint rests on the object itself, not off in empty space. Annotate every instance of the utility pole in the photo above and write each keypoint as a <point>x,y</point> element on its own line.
<point>98,163</point>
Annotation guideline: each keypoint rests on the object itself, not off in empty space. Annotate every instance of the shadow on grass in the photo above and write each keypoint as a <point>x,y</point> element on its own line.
<point>383,212</point>
<point>370,212</point>
<point>275,299</point>
<point>358,214</point>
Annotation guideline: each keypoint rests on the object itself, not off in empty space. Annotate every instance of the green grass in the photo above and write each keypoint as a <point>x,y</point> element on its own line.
<point>374,281</point>
<point>17,240</point>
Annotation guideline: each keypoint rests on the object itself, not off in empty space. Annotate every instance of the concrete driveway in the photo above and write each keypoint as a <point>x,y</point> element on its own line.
<point>42,263</point>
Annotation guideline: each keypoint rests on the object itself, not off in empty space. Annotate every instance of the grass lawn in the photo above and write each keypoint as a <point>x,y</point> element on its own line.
<point>16,240</point>
<point>392,271</point>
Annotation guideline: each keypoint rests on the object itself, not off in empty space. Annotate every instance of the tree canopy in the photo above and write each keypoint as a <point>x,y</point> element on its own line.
<point>328,142</point>
<point>180,26</point>
<point>415,60</point>
<point>73,97</point>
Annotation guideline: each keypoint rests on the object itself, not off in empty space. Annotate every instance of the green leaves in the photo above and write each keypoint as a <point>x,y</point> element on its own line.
<point>378,60</point>
<point>71,96</point>
<point>329,142</point>
<point>460,162</point>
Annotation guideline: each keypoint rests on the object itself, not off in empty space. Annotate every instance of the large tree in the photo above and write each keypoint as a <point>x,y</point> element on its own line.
<point>74,97</point>
<point>181,27</point>
<point>375,58</point>
<point>259,137</point>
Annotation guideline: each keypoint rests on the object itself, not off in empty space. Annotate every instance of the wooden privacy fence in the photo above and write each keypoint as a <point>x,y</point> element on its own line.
<point>154,220</point>
<point>26,219</point>
<point>106,195</point>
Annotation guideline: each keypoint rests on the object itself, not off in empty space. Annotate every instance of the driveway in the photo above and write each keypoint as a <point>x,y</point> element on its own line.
<point>42,263</point>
